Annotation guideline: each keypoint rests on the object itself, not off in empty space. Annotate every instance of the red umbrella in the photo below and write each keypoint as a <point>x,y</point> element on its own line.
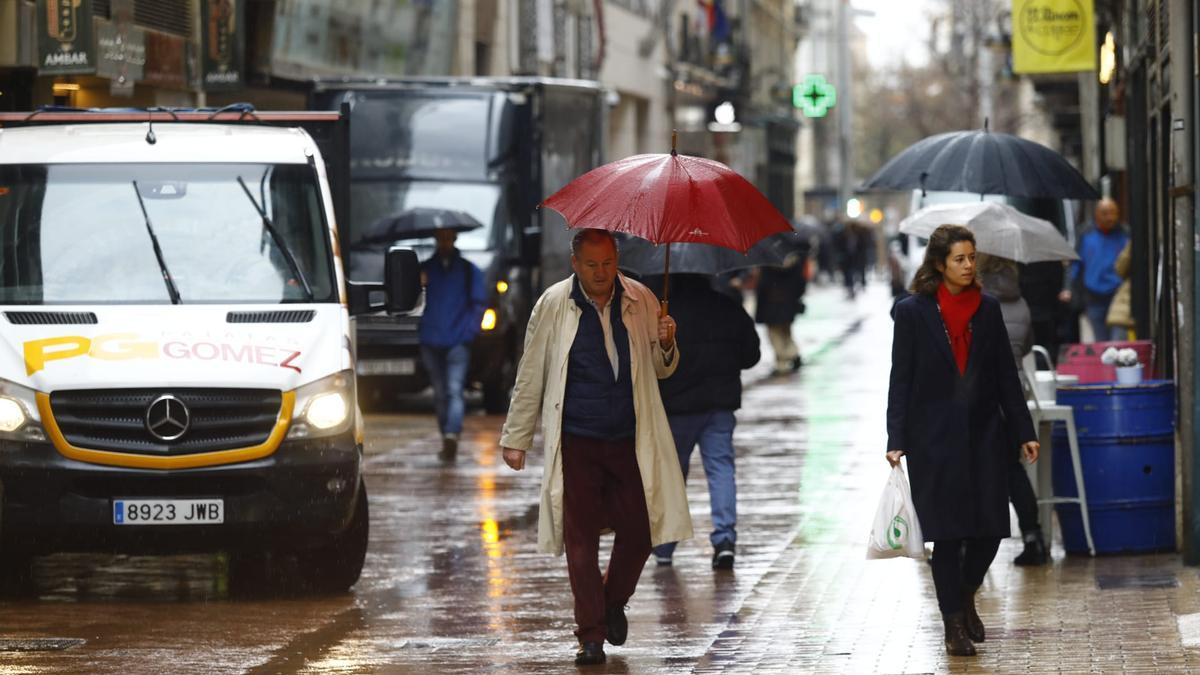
<point>667,198</point>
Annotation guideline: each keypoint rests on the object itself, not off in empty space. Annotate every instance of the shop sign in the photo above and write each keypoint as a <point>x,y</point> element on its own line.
<point>222,43</point>
<point>65,40</point>
<point>1053,36</point>
<point>165,65</point>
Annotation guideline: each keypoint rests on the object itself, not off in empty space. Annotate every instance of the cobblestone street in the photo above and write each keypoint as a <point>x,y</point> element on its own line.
<point>453,582</point>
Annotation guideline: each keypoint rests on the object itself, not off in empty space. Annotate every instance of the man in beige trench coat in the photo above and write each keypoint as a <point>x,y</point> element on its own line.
<point>595,348</point>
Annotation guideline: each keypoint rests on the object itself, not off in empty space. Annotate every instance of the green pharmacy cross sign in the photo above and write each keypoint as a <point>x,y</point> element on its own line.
<point>814,96</point>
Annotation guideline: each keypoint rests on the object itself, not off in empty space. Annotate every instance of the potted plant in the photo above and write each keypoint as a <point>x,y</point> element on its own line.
<point>1125,361</point>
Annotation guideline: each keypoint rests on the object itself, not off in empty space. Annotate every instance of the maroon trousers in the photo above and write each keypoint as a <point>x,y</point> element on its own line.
<point>602,488</point>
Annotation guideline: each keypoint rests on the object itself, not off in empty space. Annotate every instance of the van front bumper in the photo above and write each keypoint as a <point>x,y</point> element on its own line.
<point>298,497</point>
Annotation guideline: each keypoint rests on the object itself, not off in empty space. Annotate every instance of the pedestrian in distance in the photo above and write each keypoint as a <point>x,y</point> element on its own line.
<point>779,298</point>
<point>954,406</point>
<point>717,340</point>
<point>454,305</point>
<point>1120,312</point>
<point>1000,279</point>
<point>1099,247</point>
<point>595,348</point>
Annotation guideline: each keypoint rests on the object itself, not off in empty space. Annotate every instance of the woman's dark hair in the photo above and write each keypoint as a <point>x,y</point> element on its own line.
<point>928,276</point>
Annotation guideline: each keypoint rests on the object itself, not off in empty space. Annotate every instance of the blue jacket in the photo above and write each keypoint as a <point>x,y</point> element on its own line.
<point>452,315</point>
<point>595,404</point>
<point>1097,254</point>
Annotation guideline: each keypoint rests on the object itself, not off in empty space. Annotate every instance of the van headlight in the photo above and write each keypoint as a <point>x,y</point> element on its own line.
<point>489,320</point>
<point>324,407</point>
<point>19,418</point>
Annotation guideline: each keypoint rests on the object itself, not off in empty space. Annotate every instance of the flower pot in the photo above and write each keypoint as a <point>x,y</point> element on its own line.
<point>1129,374</point>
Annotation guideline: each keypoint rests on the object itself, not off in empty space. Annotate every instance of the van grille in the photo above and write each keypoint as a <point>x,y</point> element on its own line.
<point>277,316</point>
<point>50,318</point>
<point>115,419</point>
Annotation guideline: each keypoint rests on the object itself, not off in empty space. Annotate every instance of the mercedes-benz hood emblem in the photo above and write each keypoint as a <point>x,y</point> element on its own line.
<point>167,418</point>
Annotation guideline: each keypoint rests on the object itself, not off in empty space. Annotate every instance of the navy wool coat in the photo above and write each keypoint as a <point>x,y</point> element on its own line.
<point>956,430</point>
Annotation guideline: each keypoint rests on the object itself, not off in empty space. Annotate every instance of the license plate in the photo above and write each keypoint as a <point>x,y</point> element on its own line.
<point>387,367</point>
<point>168,511</point>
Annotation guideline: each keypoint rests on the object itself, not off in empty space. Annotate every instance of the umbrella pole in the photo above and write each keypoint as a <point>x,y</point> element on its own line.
<point>666,281</point>
<point>667,258</point>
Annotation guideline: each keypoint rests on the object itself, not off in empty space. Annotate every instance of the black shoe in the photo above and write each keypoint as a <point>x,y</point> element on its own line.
<point>618,625</point>
<point>1035,552</point>
<point>590,654</point>
<point>971,620</point>
<point>796,363</point>
<point>449,448</point>
<point>723,556</point>
<point>958,643</point>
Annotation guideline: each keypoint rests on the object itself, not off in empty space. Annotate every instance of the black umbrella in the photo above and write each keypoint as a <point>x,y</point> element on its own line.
<point>645,259</point>
<point>417,223</point>
<point>983,162</point>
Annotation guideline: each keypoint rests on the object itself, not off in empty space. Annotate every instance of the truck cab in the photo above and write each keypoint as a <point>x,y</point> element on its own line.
<point>489,148</point>
<point>177,372</point>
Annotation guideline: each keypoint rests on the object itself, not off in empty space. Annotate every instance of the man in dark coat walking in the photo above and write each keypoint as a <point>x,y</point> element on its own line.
<point>717,341</point>
<point>779,298</point>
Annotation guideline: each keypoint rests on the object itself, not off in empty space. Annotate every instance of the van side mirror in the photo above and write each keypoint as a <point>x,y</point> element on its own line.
<point>401,280</point>
<point>399,292</point>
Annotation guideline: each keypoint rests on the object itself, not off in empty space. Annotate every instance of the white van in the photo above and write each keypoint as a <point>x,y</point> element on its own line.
<point>176,368</point>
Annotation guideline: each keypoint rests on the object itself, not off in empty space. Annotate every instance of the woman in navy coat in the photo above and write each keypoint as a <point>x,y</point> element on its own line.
<point>954,403</point>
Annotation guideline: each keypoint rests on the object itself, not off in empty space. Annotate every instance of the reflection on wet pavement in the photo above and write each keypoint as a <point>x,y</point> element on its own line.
<point>453,582</point>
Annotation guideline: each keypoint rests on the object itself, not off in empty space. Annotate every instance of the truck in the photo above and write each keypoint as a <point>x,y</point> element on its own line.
<point>178,372</point>
<point>493,148</point>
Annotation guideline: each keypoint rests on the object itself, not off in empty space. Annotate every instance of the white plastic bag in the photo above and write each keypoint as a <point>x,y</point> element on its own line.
<point>896,531</point>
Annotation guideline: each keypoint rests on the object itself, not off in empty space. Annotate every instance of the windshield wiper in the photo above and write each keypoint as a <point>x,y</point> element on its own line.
<point>172,290</point>
<point>279,241</point>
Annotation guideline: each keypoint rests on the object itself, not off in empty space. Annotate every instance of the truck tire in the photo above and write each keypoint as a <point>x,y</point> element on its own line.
<point>337,565</point>
<point>16,574</point>
<point>497,389</point>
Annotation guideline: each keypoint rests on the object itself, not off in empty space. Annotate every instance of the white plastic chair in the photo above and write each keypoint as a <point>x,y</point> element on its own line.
<point>1047,412</point>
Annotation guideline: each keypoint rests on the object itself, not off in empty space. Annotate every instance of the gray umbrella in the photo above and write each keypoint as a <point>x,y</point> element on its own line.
<point>999,229</point>
<point>645,259</point>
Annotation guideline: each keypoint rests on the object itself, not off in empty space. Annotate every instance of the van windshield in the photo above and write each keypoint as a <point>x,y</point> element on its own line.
<point>79,234</point>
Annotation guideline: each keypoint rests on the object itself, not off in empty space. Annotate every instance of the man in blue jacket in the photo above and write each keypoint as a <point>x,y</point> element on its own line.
<point>454,304</point>
<point>1098,251</point>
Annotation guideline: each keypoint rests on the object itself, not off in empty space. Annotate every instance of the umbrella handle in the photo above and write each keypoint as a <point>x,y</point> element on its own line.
<point>662,311</point>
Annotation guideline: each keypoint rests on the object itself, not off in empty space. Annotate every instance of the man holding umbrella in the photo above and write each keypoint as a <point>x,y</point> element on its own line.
<point>454,304</point>
<point>595,348</point>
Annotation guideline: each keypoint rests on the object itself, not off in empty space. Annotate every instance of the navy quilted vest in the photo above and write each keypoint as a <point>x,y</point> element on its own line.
<point>596,405</point>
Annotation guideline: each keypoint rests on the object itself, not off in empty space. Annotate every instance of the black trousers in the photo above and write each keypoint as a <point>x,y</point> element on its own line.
<point>1020,492</point>
<point>959,566</point>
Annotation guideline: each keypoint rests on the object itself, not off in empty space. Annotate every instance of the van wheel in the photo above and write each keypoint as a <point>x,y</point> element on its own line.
<point>336,566</point>
<point>497,389</point>
<point>16,574</point>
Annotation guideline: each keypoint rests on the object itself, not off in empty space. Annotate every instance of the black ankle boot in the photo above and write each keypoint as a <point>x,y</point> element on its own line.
<point>971,620</point>
<point>1035,552</point>
<point>957,641</point>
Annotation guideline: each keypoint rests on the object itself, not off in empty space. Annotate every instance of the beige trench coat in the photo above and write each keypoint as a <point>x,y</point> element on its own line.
<point>540,387</point>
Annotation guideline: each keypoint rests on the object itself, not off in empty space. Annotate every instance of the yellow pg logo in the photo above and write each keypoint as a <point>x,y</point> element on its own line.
<point>112,347</point>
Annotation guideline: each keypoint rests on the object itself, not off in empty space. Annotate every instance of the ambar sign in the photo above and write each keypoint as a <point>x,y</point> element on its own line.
<point>1052,28</point>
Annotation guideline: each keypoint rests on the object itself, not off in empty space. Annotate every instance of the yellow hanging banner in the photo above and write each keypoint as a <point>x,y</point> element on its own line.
<point>1053,36</point>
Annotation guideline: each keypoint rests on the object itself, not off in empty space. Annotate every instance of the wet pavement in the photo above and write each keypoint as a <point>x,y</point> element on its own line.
<point>453,582</point>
